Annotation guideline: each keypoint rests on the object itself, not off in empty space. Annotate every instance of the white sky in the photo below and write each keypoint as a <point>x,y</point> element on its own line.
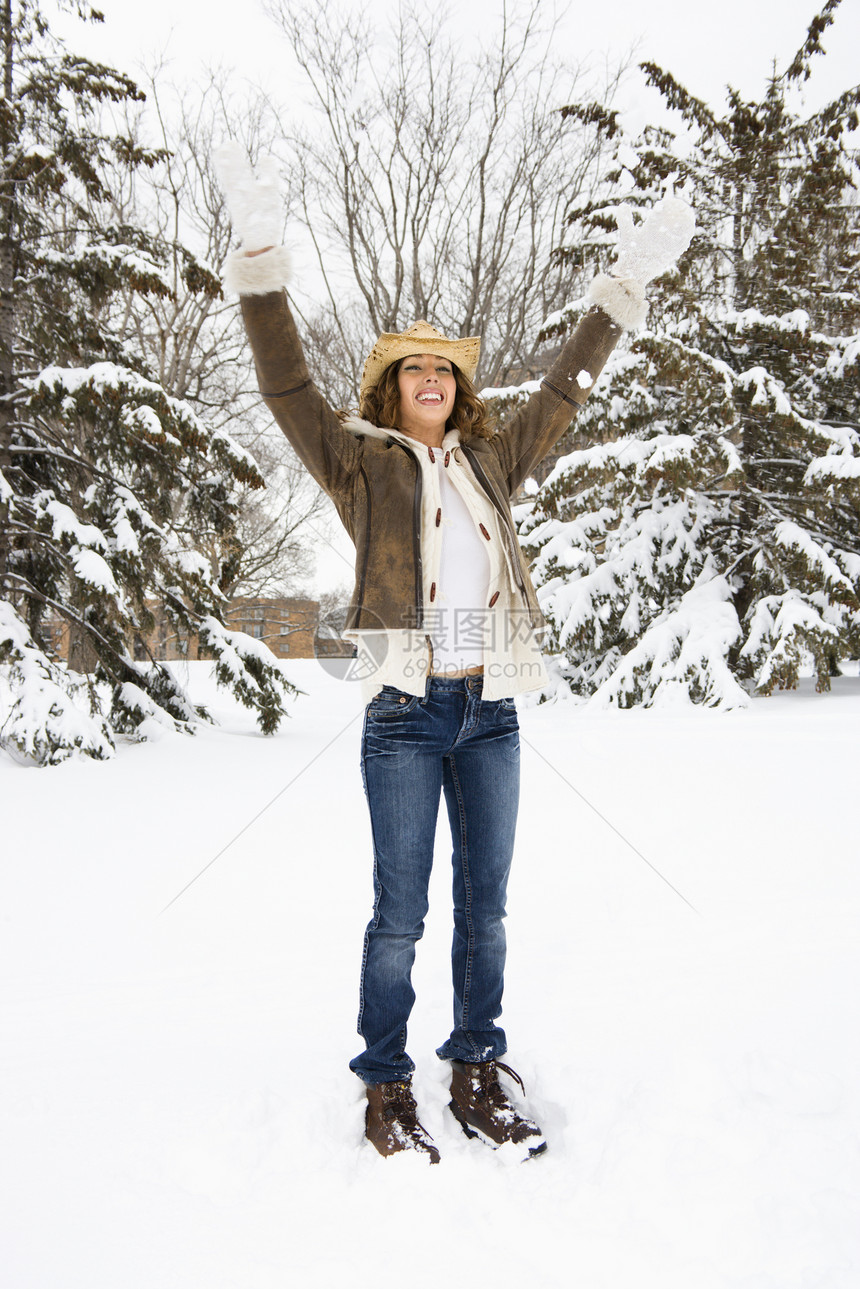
<point>704,46</point>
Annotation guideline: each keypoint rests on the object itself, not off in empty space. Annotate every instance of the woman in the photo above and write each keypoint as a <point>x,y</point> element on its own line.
<point>444,615</point>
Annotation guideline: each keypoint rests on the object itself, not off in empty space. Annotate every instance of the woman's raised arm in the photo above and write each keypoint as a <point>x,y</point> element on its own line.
<point>645,250</point>
<point>258,272</point>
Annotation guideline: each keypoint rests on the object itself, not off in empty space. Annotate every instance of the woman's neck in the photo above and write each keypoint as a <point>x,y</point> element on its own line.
<point>430,437</point>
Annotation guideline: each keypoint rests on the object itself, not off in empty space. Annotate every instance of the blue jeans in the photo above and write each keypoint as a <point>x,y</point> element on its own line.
<point>412,750</point>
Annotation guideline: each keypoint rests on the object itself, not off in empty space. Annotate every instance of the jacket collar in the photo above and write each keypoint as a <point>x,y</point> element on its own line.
<point>360,428</point>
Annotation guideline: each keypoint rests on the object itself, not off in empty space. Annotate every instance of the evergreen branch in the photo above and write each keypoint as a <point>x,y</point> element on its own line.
<point>799,68</point>
<point>605,120</point>
<point>65,611</point>
<point>693,110</point>
<point>747,554</point>
<point>80,462</point>
<point>838,117</point>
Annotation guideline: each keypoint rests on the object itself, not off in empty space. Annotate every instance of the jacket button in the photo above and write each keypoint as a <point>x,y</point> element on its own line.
<point>433,591</point>
<point>447,457</point>
<point>484,531</point>
<point>432,457</point>
<point>438,516</point>
<point>493,598</point>
<point>401,700</point>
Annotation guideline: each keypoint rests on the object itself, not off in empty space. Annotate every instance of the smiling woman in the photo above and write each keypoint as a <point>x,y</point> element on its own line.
<point>423,485</point>
<point>380,401</point>
<point>426,389</point>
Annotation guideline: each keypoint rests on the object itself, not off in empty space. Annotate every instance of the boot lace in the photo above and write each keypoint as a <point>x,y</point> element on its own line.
<point>491,1088</point>
<point>398,1105</point>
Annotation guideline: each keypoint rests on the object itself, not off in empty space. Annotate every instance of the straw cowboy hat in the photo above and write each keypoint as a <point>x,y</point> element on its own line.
<point>420,338</point>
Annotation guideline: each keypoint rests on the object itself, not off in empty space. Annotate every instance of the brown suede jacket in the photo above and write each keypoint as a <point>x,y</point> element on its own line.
<point>375,481</point>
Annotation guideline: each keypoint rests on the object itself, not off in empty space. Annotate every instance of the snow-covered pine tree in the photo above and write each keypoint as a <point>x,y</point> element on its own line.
<point>105,480</point>
<point>702,540</point>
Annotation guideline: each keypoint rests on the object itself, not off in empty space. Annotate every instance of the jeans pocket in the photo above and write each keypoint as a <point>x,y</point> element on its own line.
<point>391,702</point>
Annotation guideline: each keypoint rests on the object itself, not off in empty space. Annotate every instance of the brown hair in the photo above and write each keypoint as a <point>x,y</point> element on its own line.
<point>381,405</point>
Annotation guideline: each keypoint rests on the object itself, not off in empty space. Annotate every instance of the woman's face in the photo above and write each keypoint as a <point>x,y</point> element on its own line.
<point>427,391</point>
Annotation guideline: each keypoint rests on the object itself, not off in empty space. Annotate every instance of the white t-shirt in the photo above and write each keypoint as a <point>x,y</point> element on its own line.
<point>458,625</point>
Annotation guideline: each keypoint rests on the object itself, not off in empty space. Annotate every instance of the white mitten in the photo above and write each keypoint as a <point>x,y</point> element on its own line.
<point>256,209</point>
<point>645,250</point>
<point>648,249</point>
<point>255,204</point>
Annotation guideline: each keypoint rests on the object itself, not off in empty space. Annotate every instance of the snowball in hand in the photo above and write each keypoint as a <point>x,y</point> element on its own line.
<point>254,202</point>
<point>648,249</point>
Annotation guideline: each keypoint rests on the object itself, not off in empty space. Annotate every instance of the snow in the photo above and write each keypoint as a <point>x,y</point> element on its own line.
<point>838,466</point>
<point>511,391</point>
<point>565,314</point>
<point>102,376</point>
<point>796,540</point>
<point>41,708</point>
<point>65,522</point>
<point>146,419</point>
<point>175,1104</point>
<point>624,453</point>
<point>782,625</point>
<point>113,257</point>
<point>125,538</point>
<point>797,320</point>
<point>233,647</point>
<point>108,378</point>
<point>223,441</point>
<point>91,568</point>
<point>847,355</point>
<point>155,720</point>
<point>194,564</point>
<point>684,650</point>
<point>768,392</point>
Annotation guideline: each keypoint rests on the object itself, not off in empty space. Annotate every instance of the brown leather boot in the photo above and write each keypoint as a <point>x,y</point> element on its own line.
<point>481,1106</point>
<point>391,1121</point>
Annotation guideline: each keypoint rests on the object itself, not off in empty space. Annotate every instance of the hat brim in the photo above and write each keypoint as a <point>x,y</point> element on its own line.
<point>392,346</point>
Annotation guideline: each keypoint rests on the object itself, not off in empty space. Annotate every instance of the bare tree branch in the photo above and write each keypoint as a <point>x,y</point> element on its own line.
<point>437,186</point>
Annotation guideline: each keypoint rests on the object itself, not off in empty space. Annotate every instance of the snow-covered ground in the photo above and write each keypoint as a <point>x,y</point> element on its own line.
<point>175,1107</point>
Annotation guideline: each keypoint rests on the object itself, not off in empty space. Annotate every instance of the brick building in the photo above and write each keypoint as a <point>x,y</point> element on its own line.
<point>286,625</point>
